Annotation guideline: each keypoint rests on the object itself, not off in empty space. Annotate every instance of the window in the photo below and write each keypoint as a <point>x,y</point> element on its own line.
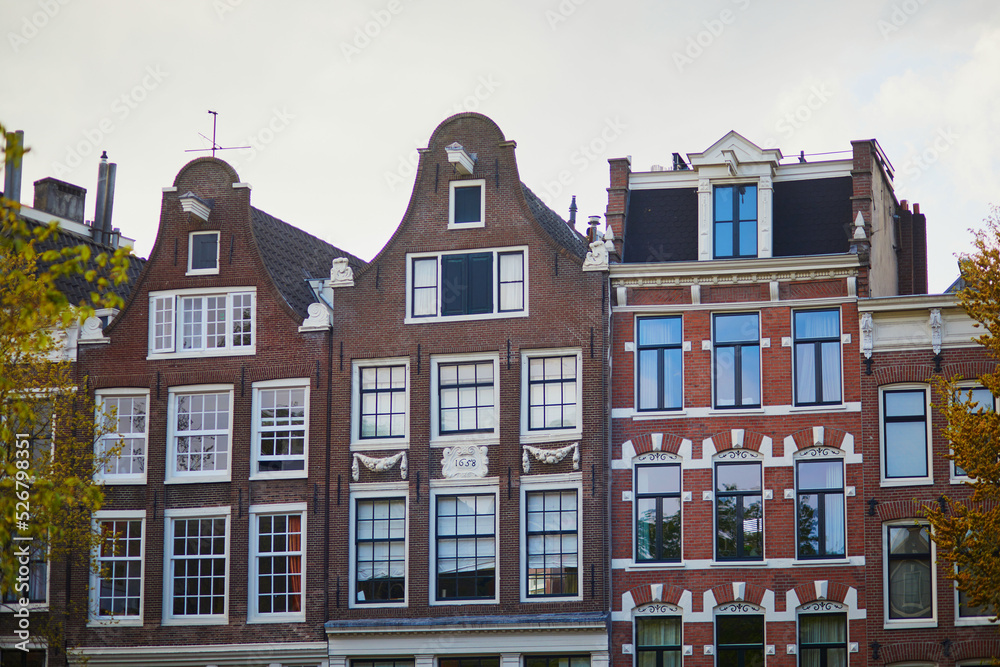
<point>658,513</point>
<point>553,550</point>
<point>660,374</point>
<point>969,612</point>
<point>904,419</point>
<point>739,512</point>
<point>281,428</point>
<point>36,588</point>
<point>557,661</point>
<point>817,357</point>
<point>116,589</point>
<point>468,662</point>
<point>200,431</point>
<point>910,580</point>
<point>19,658</point>
<point>737,361</point>
<point>124,417</point>
<point>735,221</point>
<point>277,558</point>
<point>822,640</point>
<point>820,515</point>
<point>658,641</point>
<point>197,571</point>
<point>466,547</point>
<point>984,401</point>
<point>553,392</point>
<point>202,322</point>
<point>380,566</point>
<point>483,283</point>
<point>739,640</point>
<point>467,204</point>
<point>203,253</point>
<point>383,401</point>
<point>466,397</point>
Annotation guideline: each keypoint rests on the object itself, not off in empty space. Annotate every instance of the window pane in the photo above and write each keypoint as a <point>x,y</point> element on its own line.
<point>673,378</point>
<point>750,374</point>
<point>904,403</point>
<point>648,379</point>
<point>660,331</point>
<point>723,204</point>
<point>817,324</point>
<point>467,203</point>
<point>658,631</point>
<point>736,328</point>
<point>742,629</point>
<point>723,239</point>
<point>204,251</point>
<point>658,479</point>
<point>725,376</point>
<point>906,449</point>
<point>821,474</point>
<point>747,200</point>
<point>738,477</point>
<point>748,238</point>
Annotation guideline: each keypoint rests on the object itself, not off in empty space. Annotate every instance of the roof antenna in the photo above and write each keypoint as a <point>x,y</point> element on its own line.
<point>572,213</point>
<point>802,156</point>
<point>215,145</point>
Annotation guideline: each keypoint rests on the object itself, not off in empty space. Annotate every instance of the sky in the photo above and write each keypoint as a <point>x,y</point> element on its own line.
<point>334,98</point>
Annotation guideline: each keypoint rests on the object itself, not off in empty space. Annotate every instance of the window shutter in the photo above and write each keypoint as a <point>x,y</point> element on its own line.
<point>453,284</point>
<point>480,291</point>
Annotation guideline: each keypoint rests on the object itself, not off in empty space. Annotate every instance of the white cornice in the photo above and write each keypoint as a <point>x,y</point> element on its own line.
<point>909,302</point>
<point>808,171</point>
<point>734,271</point>
<point>198,655</point>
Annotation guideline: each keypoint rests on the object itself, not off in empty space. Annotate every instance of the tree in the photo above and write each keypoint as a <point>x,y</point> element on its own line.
<point>47,425</point>
<point>967,532</point>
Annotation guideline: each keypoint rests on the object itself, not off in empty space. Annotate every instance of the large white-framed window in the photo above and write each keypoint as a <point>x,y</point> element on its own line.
<point>817,345</point>
<point>822,636</point>
<point>739,510</point>
<point>984,401</point>
<point>465,392</point>
<point>736,356</point>
<point>202,322</point>
<point>735,220</point>
<point>551,387</point>
<point>116,581</point>
<point>464,544</point>
<point>196,566</point>
<point>909,575</point>
<point>659,383</point>
<point>467,204</point>
<point>199,433</point>
<point>659,635</point>
<point>380,402</point>
<point>277,563</point>
<point>552,537</point>
<point>739,634</point>
<point>969,614</point>
<point>480,284</point>
<point>905,429</point>
<point>123,416</point>
<point>203,253</point>
<point>657,500</point>
<point>820,511</point>
<point>379,538</point>
<point>280,428</point>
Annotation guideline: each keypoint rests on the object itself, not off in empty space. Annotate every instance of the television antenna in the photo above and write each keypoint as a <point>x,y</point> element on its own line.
<point>215,145</point>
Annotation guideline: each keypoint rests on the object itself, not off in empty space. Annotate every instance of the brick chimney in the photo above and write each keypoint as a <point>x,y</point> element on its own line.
<point>621,169</point>
<point>60,198</point>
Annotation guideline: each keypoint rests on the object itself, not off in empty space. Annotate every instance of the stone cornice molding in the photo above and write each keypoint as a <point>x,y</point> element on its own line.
<point>734,272</point>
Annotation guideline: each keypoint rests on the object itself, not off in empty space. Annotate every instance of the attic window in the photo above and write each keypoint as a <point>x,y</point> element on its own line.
<point>467,205</point>
<point>203,253</point>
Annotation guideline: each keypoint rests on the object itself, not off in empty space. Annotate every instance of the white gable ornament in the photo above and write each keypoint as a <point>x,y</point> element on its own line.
<point>376,464</point>
<point>341,275</point>
<point>318,318</point>
<point>550,456</point>
<point>597,258</point>
<point>464,461</point>
<point>92,331</point>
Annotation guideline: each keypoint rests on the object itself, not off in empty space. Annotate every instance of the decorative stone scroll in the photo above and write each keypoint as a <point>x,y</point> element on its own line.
<point>823,605</point>
<point>597,257</point>
<point>550,456</point>
<point>379,464</point>
<point>739,608</point>
<point>92,331</point>
<point>318,319</point>
<point>657,609</point>
<point>464,461</point>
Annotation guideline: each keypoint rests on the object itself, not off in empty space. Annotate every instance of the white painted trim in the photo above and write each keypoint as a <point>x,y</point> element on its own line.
<point>760,365</point>
<point>255,451</point>
<point>840,351</point>
<point>675,308</point>
<point>929,437</point>
<point>168,538</point>
<point>177,351</point>
<point>115,479</point>
<point>551,435</point>
<point>798,457</point>
<point>436,439</point>
<point>255,512</point>
<point>376,491</point>
<point>357,442</point>
<point>888,623</point>
<point>172,476</point>
<point>762,269</point>
<point>489,486</point>
<point>93,620</point>
<point>218,242</point>
<point>702,412</point>
<point>452,186</point>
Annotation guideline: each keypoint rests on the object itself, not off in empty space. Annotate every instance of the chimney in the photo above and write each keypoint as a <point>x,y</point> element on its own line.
<point>105,200</point>
<point>60,198</point>
<point>592,224</point>
<point>572,213</point>
<point>12,166</point>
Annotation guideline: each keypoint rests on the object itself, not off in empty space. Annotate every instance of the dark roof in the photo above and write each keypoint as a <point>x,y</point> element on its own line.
<point>812,217</point>
<point>662,226</point>
<point>75,287</point>
<point>556,227</point>
<point>289,253</point>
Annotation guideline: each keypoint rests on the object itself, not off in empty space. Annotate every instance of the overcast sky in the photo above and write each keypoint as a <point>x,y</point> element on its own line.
<point>335,97</point>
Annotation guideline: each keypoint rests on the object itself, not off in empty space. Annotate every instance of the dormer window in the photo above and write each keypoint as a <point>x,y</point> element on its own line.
<point>203,253</point>
<point>467,206</point>
<point>735,221</point>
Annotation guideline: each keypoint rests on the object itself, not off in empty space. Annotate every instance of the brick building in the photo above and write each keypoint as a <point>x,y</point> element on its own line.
<point>738,510</point>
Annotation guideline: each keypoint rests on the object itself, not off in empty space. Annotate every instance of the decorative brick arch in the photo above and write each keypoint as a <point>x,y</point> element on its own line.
<point>912,373</point>
<point>643,444</point>
<point>656,593</point>
<point>968,370</point>
<point>822,590</point>
<point>975,648</point>
<point>724,440</point>
<point>738,592</point>
<point>911,651</point>
<point>819,436</point>
<point>904,509</point>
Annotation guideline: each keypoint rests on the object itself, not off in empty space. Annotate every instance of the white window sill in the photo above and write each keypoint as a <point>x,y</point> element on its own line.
<point>467,225</point>
<point>717,412</point>
<point>247,351</point>
<point>115,622</point>
<point>462,603</point>
<point>276,618</point>
<point>828,407</point>
<point>451,440</point>
<point>654,565</point>
<point>739,563</point>
<point>380,443</point>
<point>974,621</point>
<point>198,479</point>
<point>122,480</point>
<point>378,605</point>
<point>909,481</point>
<point>465,318</point>
<point>910,625</point>
<point>821,562</point>
<point>561,598</point>
<point>962,480</point>
<point>195,620</point>
<point>645,415</point>
<point>291,474</point>
<point>551,435</point>
<point>202,272</point>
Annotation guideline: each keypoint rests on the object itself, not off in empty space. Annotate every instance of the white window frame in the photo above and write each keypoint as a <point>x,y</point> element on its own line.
<point>490,438</point>
<point>906,481</point>
<point>478,487</point>
<point>253,614</point>
<point>173,476</point>
<point>824,454</point>
<point>656,610</point>
<point>9,607</point>
<point>715,365</point>
<point>203,272</point>
<point>833,608</point>
<point>454,185</point>
<point>684,347</point>
<point>496,314</point>
<point>795,341</point>
<point>111,478</point>
<point>968,620</point>
<point>357,442</point>
<point>175,349</point>
<point>548,435</point>
<point>555,482</point>
<point>724,457</point>
<point>888,623</point>
<point>255,427</point>
<point>168,580</point>
<point>739,609</point>
<point>953,476</point>
<point>93,619</point>
<point>379,491</point>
